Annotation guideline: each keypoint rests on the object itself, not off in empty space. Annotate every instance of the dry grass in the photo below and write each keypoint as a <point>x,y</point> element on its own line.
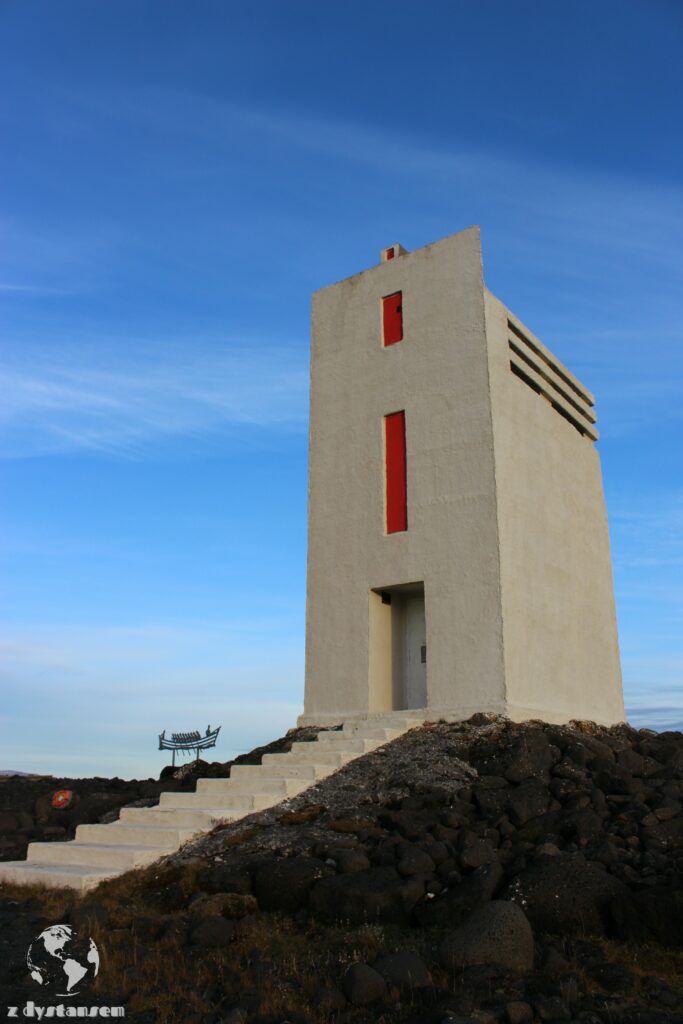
<point>644,960</point>
<point>283,958</point>
<point>647,959</point>
<point>54,902</point>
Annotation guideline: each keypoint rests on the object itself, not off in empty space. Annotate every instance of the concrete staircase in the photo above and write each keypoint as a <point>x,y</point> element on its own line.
<point>144,834</point>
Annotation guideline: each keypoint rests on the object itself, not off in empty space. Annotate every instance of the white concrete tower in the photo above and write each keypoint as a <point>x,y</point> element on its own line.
<point>458,552</point>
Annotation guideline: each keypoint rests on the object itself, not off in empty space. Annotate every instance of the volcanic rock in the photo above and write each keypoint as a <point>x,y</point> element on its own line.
<point>564,894</point>
<point>403,971</point>
<point>362,985</point>
<point>497,933</point>
<point>284,883</point>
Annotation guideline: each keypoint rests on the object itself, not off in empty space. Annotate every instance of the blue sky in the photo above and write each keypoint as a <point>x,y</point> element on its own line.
<point>176,179</point>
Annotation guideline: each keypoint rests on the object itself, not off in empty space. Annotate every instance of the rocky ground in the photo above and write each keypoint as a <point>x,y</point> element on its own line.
<point>479,872</point>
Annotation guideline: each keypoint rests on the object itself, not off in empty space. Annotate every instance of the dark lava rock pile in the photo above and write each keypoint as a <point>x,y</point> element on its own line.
<point>482,871</point>
<point>27,814</point>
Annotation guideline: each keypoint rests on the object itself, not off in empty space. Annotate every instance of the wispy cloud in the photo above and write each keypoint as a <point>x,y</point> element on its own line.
<point>648,530</point>
<point>647,549</point>
<point>607,210</point>
<point>126,395</point>
<point>533,202</point>
<point>54,259</point>
<point>653,690</point>
<point>613,241</point>
<point>9,288</point>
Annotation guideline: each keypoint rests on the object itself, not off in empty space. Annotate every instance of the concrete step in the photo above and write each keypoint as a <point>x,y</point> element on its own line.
<point>158,835</point>
<point>159,817</point>
<point>232,801</point>
<point>309,753</point>
<point>383,733</point>
<point>391,721</point>
<point>93,855</point>
<point>21,872</point>
<point>394,721</point>
<point>281,786</point>
<point>341,744</point>
<point>289,770</point>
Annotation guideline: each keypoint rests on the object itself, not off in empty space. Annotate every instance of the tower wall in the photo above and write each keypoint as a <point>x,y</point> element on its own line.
<point>438,374</point>
<point>559,620</point>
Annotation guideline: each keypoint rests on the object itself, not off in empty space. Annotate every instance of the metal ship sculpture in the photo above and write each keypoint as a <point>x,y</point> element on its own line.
<point>186,742</point>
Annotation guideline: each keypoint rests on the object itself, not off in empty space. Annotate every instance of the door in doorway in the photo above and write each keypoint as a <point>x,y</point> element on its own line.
<point>414,650</point>
<point>397,663</point>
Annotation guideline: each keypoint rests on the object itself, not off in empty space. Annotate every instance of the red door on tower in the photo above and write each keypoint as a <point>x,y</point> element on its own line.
<point>392,318</point>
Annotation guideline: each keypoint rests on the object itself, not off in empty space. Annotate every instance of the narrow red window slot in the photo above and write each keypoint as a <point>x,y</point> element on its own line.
<point>390,253</point>
<point>392,318</point>
<point>395,462</point>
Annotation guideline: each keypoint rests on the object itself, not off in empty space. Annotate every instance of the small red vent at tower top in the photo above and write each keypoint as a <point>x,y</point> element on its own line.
<point>392,252</point>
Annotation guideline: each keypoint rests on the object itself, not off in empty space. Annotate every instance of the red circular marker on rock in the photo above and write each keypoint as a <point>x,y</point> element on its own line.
<point>63,798</point>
